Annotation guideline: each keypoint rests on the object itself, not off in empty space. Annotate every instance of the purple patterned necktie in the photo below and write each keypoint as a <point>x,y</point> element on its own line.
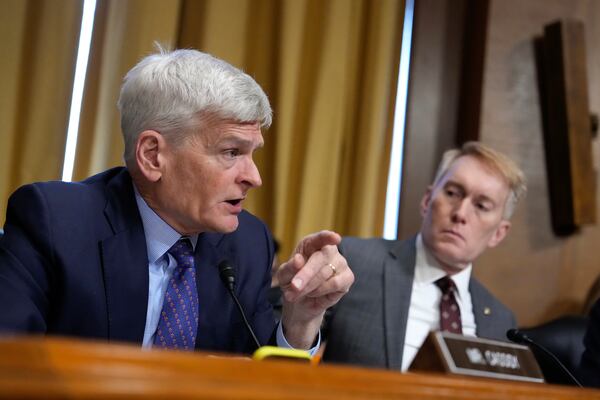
<point>449,312</point>
<point>178,321</point>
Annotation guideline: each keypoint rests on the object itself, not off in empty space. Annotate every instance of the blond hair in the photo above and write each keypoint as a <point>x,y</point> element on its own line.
<point>498,162</point>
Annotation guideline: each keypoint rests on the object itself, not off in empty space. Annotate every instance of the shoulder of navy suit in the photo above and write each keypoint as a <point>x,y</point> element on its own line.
<point>65,195</point>
<point>71,205</point>
<point>45,221</point>
<point>47,209</point>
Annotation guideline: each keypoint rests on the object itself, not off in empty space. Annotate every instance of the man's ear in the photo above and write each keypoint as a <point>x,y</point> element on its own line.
<point>499,234</point>
<point>149,157</point>
<point>426,200</point>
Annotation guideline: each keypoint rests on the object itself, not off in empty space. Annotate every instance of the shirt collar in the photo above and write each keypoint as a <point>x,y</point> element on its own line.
<point>428,270</point>
<point>160,236</point>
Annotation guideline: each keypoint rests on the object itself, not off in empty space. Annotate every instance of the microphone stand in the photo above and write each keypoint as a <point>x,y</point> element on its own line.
<point>516,336</point>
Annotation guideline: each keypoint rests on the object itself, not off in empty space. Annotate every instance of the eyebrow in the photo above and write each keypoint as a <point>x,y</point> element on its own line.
<point>487,199</point>
<point>454,184</point>
<point>480,197</point>
<point>241,142</point>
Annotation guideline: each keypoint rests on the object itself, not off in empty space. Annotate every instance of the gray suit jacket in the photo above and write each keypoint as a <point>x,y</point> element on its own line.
<point>368,326</point>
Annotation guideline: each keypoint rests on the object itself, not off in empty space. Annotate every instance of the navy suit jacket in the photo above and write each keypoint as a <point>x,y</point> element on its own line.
<point>73,261</point>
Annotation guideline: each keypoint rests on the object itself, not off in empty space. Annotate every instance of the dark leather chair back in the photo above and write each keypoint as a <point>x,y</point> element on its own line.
<point>564,338</point>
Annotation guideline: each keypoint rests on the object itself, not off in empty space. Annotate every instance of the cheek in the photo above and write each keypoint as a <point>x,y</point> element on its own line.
<point>192,188</point>
<point>483,235</point>
<point>438,211</point>
<point>211,190</point>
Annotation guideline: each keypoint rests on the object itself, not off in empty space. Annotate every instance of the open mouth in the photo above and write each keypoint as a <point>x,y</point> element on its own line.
<point>234,202</point>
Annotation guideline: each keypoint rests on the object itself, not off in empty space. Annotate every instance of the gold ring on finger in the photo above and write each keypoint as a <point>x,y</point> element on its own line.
<point>333,270</point>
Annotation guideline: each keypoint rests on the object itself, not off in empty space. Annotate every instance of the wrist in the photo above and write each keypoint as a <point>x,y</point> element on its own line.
<point>300,331</point>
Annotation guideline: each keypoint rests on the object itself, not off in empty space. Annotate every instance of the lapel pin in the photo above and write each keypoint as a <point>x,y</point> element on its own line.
<point>487,311</point>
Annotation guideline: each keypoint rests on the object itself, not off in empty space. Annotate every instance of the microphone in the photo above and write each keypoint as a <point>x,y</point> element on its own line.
<point>227,274</point>
<point>516,336</point>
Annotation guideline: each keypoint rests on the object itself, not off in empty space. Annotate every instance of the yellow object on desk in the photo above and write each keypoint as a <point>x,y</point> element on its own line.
<point>273,352</point>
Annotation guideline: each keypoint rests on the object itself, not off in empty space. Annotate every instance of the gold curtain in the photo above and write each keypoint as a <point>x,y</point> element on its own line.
<point>328,66</point>
<point>38,47</point>
<point>330,70</point>
<point>124,32</point>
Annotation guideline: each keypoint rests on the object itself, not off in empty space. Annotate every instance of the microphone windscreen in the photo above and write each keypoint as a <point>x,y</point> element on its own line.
<point>227,274</point>
<point>514,336</point>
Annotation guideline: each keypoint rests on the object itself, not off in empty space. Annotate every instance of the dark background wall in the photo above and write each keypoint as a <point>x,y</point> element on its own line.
<point>536,273</point>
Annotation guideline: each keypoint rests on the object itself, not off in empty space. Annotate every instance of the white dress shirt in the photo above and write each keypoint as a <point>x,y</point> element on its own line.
<point>424,310</point>
<point>160,237</point>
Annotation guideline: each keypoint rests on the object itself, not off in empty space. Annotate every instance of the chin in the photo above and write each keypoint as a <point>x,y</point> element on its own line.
<point>228,227</point>
<point>449,257</point>
<point>457,263</point>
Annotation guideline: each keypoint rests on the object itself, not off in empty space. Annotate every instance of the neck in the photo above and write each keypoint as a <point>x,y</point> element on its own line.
<point>448,268</point>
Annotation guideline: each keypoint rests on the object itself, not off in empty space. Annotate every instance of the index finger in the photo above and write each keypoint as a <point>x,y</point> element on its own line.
<point>288,270</point>
<point>316,241</point>
<point>312,273</point>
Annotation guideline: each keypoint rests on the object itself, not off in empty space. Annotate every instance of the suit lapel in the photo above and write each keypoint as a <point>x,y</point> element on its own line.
<point>212,295</point>
<point>125,263</point>
<point>399,270</point>
<point>482,310</point>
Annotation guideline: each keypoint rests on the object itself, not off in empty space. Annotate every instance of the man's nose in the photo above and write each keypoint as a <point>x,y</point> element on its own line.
<point>250,175</point>
<point>460,211</point>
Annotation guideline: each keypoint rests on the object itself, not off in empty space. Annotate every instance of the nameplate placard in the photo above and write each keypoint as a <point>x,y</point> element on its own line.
<point>466,355</point>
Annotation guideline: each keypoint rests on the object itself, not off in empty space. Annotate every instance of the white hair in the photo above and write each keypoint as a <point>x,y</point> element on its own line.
<point>169,91</point>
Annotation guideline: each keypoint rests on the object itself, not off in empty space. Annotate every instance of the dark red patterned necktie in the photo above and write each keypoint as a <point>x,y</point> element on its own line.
<point>449,311</point>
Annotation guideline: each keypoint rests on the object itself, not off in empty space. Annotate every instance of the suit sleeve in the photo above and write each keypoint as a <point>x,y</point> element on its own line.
<point>25,263</point>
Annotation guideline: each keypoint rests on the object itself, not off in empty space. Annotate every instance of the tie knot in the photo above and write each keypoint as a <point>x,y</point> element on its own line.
<point>183,253</point>
<point>446,284</point>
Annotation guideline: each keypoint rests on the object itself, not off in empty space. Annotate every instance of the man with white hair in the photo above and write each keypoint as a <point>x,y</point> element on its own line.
<point>133,253</point>
<point>406,288</point>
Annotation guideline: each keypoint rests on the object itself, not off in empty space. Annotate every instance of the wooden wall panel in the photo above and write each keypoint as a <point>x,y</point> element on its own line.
<point>536,273</point>
<point>562,74</point>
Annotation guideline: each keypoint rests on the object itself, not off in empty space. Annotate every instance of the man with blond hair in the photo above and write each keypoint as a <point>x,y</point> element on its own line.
<point>406,288</point>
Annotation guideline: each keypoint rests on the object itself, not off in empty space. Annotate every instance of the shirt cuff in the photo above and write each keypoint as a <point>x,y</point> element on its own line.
<point>282,342</point>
